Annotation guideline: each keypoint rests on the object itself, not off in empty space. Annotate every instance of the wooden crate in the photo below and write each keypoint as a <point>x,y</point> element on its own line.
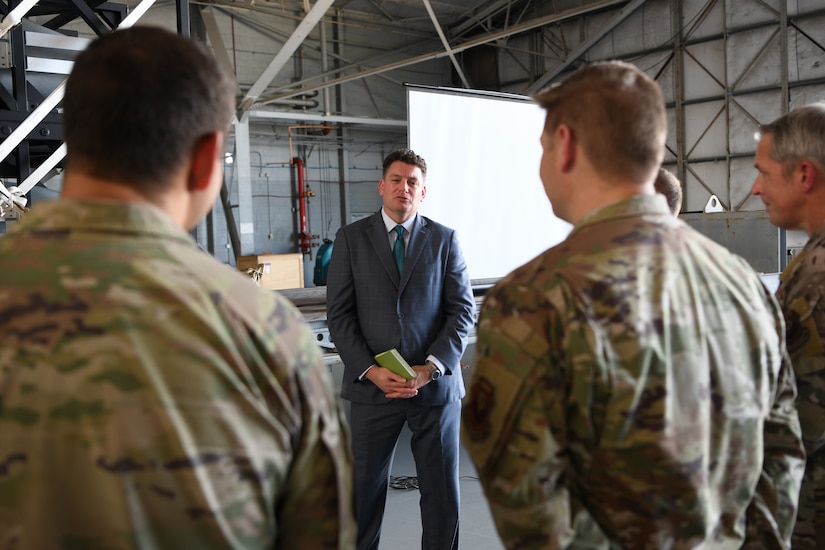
<point>280,271</point>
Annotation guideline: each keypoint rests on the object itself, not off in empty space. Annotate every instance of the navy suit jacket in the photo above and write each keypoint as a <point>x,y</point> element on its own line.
<point>429,309</point>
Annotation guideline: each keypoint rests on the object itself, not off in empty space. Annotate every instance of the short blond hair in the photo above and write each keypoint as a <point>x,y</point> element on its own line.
<point>616,112</point>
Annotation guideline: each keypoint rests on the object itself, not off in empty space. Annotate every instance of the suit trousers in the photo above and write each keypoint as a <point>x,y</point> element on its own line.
<point>435,448</point>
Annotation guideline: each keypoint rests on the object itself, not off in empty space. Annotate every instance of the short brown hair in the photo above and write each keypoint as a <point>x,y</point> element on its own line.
<point>137,101</point>
<point>407,156</point>
<point>616,112</point>
<point>668,185</point>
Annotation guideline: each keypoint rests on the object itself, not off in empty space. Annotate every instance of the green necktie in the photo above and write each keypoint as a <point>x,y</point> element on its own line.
<point>398,249</point>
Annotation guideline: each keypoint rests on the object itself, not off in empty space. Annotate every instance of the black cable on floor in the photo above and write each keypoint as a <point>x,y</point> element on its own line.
<point>403,482</point>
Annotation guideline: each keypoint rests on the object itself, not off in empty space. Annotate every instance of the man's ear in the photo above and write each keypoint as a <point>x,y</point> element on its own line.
<point>566,142</point>
<point>203,161</point>
<point>808,174</point>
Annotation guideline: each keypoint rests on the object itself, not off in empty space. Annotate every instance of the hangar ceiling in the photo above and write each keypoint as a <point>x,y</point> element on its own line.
<point>425,30</point>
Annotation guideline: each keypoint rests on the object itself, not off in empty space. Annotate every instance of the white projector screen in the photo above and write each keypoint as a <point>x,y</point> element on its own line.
<point>483,153</point>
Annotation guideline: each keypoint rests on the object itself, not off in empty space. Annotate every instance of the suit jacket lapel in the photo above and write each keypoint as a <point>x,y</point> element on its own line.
<point>418,240</point>
<point>380,241</point>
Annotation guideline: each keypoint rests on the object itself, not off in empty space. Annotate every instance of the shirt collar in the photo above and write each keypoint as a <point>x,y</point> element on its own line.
<point>390,224</point>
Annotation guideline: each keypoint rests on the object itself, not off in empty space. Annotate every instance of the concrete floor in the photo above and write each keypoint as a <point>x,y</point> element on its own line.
<point>402,518</point>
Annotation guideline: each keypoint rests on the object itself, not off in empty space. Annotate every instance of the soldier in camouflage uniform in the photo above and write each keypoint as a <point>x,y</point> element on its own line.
<point>150,396</point>
<point>631,387</point>
<point>790,160</point>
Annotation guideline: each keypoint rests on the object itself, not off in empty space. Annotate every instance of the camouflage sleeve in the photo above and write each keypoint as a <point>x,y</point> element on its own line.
<point>315,509</point>
<point>805,317</point>
<point>771,515</point>
<point>512,421</point>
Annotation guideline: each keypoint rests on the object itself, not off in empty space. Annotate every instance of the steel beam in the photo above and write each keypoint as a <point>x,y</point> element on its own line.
<point>446,44</point>
<point>285,53</point>
<point>623,14</point>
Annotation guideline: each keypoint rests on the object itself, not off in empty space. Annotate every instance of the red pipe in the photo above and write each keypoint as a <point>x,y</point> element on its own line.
<point>303,229</point>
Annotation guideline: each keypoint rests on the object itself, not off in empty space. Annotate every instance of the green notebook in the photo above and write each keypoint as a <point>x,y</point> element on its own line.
<point>393,360</point>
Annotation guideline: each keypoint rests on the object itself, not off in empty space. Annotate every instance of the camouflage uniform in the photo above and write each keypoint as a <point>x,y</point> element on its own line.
<point>151,397</point>
<point>802,297</point>
<point>626,384</point>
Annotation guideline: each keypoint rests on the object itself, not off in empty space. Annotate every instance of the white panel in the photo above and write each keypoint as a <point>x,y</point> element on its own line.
<point>747,112</point>
<point>657,29</point>
<point>796,238</point>
<point>741,13</point>
<point>804,95</point>
<point>604,48</point>
<point>58,41</point>
<point>743,47</point>
<point>701,181</point>
<point>705,70</point>
<point>714,178</point>
<point>742,129</point>
<point>742,174</point>
<point>49,66</point>
<point>709,24</point>
<point>803,6</point>
<point>483,157</point>
<point>705,131</point>
<point>805,50</point>
<point>695,196</point>
<point>627,37</point>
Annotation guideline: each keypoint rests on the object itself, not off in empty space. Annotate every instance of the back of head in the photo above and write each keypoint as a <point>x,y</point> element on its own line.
<point>668,185</point>
<point>136,102</point>
<point>406,156</point>
<point>798,135</point>
<point>617,114</point>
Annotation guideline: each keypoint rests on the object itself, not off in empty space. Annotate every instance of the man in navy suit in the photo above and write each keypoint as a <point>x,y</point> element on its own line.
<point>397,279</point>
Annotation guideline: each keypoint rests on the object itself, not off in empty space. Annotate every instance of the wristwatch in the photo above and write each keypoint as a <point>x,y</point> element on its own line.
<point>434,372</point>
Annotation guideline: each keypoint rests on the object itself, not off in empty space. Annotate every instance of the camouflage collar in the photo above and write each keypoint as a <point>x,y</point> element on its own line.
<point>73,215</point>
<point>639,205</point>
